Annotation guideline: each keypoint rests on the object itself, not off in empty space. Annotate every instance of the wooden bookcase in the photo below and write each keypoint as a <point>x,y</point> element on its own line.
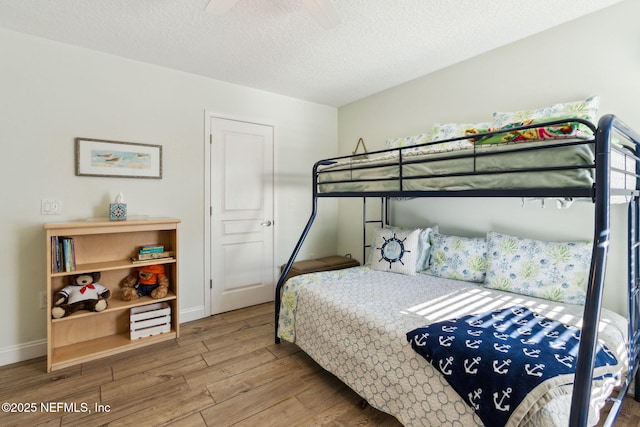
<point>107,247</point>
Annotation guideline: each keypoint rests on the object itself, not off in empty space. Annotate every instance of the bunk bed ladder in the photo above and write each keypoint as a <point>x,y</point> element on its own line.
<point>586,354</point>
<point>633,332</point>
<point>633,313</point>
<point>633,216</point>
<point>384,220</point>
<point>634,292</point>
<point>633,253</point>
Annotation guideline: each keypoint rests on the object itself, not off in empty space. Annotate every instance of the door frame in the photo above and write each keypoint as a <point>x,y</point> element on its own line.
<point>207,273</point>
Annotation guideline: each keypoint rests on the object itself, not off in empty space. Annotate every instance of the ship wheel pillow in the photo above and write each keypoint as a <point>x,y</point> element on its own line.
<point>395,250</point>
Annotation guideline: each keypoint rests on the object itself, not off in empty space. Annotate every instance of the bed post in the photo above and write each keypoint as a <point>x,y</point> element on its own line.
<point>591,318</point>
<point>294,254</point>
<point>364,230</point>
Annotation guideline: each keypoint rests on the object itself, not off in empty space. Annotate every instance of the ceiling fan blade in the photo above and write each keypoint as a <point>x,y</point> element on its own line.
<point>323,11</point>
<point>219,7</point>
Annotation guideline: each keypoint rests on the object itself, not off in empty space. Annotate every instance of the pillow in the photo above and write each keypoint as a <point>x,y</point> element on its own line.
<point>460,258</point>
<point>587,109</point>
<point>556,271</point>
<point>424,245</point>
<point>442,131</point>
<point>409,141</point>
<point>559,131</point>
<point>454,130</point>
<point>395,250</point>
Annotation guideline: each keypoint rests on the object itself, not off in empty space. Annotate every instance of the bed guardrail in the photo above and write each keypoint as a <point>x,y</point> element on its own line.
<point>399,159</point>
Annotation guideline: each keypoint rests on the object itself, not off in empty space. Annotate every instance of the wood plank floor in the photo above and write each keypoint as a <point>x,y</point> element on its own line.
<point>224,370</point>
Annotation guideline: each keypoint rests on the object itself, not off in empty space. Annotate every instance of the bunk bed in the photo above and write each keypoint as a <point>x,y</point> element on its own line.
<point>387,315</point>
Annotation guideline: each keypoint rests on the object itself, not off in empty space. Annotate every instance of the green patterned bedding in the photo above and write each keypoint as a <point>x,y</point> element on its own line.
<point>388,169</point>
<point>354,322</point>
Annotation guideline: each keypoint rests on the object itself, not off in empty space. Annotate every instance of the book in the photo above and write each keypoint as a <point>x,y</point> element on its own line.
<point>73,255</point>
<point>55,255</point>
<point>153,255</point>
<point>67,254</point>
<point>152,245</point>
<point>148,249</point>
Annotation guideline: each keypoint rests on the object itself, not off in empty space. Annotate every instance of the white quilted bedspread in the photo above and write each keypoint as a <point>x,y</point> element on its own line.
<point>354,322</point>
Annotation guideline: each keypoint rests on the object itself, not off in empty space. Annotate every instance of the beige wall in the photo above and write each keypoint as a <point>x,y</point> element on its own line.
<point>596,55</point>
<point>52,93</point>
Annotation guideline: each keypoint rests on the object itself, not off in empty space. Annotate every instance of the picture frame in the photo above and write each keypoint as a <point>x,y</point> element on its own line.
<point>99,157</point>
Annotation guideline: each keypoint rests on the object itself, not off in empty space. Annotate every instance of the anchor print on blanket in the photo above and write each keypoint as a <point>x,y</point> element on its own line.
<point>494,359</point>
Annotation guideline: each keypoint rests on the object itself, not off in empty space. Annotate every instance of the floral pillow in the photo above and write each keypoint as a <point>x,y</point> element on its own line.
<point>409,141</point>
<point>424,247</point>
<point>587,109</point>
<point>442,131</point>
<point>556,271</point>
<point>460,258</point>
<point>549,132</point>
<point>395,250</point>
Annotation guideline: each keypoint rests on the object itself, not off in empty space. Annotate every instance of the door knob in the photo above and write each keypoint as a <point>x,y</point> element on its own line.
<point>267,223</point>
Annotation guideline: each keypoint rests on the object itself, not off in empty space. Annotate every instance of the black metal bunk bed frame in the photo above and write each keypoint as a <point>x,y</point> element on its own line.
<point>600,194</point>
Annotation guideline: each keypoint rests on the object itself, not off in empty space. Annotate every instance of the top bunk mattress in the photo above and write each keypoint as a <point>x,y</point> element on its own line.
<point>568,164</point>
<point>504,166</point>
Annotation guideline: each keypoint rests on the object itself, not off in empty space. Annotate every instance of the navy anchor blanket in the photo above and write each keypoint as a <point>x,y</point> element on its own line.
<point>495,359</point>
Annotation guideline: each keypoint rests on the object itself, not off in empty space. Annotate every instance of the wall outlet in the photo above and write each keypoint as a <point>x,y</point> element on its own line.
<point>43,300</point>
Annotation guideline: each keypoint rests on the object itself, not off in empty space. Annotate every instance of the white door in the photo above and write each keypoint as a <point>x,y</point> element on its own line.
<point>242,267</point>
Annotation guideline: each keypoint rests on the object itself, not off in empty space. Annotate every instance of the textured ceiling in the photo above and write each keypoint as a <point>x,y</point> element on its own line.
<point>277,46</point>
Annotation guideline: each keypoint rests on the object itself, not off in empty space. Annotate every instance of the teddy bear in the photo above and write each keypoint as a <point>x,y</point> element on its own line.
<point>148,280</point>
<point>82,293</point>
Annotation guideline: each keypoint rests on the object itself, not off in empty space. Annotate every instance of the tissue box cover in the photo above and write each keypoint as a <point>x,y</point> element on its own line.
<point>118,211</point>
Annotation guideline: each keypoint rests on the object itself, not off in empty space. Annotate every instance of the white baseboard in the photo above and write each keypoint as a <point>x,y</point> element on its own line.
<point>20,352</point>
<point>33,349</point>
<point>193,313</point>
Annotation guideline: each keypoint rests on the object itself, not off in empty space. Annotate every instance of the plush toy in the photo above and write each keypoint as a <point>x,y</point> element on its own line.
<point>148,280</point>
<point>83,293</point>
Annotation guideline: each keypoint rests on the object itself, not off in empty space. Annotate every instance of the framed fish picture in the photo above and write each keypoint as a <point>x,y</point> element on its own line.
<point>98,157</point>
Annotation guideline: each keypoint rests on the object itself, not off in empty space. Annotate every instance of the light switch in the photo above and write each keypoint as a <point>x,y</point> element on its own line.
<point>50,207</point>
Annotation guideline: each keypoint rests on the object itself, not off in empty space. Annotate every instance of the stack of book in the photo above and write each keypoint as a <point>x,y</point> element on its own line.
<point>151,252</point>
<point>63,254</point>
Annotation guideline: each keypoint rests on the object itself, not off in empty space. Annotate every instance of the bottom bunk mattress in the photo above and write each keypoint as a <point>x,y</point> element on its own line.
<point>354,323</point>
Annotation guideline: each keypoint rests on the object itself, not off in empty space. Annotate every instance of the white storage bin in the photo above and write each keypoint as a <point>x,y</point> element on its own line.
<point>152,319</point>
